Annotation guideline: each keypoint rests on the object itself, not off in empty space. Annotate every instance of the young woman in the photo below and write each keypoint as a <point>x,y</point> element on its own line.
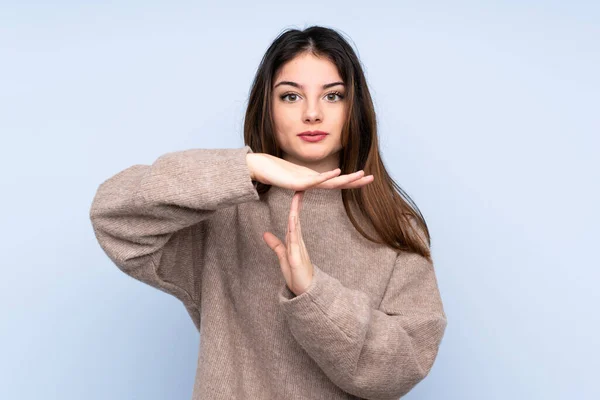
<point>347,305</point>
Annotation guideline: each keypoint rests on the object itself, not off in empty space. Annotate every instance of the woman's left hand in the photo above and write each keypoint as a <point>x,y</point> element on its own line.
<point>293,257</point>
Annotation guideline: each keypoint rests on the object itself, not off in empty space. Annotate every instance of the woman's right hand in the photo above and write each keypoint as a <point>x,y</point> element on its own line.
<point>272,170</point>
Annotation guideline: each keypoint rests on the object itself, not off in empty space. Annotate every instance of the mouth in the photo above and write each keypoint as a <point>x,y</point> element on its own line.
<point>313,133</point>
<point>313,138</point>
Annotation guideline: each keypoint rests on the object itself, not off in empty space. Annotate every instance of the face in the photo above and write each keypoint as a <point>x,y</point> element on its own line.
<point>309,95</point>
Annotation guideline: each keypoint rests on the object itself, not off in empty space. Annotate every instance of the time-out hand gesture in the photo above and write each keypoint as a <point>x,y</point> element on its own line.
<point>293,257</point>
<point>272,170</point>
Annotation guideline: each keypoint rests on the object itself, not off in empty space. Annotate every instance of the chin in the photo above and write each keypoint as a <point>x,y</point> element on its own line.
<point>315,153</point>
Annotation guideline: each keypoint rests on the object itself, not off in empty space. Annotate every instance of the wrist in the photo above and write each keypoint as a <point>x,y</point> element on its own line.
<point>249,165</point>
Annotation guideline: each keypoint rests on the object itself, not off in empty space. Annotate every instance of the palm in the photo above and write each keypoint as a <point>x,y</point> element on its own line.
<point>272,170</point>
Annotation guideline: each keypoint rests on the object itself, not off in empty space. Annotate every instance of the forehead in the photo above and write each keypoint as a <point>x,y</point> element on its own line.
<point>308,70</point>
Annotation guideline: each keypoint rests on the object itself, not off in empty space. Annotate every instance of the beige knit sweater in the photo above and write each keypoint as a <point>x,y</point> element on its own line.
<point>191,224</point>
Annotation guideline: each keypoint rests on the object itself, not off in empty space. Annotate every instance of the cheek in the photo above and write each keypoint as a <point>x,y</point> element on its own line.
<point>281,121</point>
<point>341,115</point>
<point>284,118</point>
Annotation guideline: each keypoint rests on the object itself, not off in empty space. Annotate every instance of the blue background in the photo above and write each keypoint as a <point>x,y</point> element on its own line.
<point>488,116</point>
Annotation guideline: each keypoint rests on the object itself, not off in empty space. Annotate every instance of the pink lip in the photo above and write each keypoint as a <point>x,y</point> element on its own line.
<point>312,133</point>
<point>312,138</point>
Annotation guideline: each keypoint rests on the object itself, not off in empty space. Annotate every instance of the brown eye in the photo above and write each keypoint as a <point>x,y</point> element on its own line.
<point>282,97</point>
<point>340,95</point>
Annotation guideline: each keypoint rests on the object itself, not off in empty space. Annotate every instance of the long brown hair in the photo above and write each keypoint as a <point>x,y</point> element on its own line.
<point>395,218</point>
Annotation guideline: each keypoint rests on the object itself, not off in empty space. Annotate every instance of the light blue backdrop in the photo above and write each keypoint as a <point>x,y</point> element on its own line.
<point>489,119</point>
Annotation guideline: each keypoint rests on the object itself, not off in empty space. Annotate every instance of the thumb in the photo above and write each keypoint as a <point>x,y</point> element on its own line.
<point>279,248</point>
<point>275,244</point>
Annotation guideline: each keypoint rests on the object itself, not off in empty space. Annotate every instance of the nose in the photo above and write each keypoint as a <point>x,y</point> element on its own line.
<point>312,112</point>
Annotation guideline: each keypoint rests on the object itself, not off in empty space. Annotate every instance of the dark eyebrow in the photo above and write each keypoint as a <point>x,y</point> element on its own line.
<point>328,85</point>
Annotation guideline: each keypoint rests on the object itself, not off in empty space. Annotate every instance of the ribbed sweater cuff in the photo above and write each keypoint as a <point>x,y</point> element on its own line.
<point>323,303</point>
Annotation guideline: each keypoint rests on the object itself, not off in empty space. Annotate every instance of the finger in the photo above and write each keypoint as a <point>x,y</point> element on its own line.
<point>342,180</point>
<point>299,236</point>
<point>324,176</point>
<point>358,183</point>
<point>303,249</point>
<point>298,230</point>
<point>295,206</point>
<point>287,238</point>
<point>294,248</point>
<point>296,203</point>
<point>297,222</point>
<point>290,238</point>
<point>292,220</point>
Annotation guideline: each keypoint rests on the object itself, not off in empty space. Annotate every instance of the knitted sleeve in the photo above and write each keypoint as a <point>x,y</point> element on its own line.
<point>371,353</point>
<point>149,219</point>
